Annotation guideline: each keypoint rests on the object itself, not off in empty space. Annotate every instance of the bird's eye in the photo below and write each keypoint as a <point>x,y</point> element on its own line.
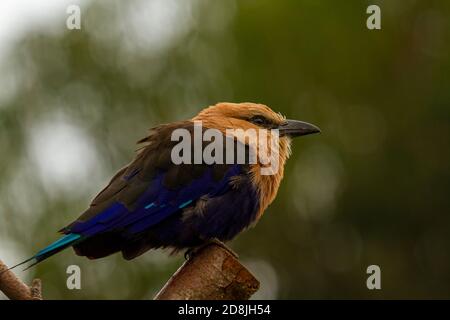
<point>259,120</point>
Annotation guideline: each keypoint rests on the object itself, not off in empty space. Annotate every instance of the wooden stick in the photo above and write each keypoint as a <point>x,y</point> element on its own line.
<point>15,289</point>
<point>213,273</point>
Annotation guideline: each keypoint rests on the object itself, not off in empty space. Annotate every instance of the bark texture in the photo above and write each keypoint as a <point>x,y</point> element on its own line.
<point>213,273</point>
<point>15,289</point>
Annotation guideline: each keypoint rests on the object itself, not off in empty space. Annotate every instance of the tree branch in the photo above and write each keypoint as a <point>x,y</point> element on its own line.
<point>15,289</point>
<point>213,273</point>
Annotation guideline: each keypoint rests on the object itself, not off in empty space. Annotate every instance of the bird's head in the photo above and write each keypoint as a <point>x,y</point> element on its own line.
<point>247,115</point>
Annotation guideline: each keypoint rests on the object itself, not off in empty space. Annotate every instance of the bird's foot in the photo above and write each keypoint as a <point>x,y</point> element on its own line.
<point>191,252</point>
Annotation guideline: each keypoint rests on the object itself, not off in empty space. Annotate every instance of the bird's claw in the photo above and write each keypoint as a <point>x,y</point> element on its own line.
<point>189,253</point>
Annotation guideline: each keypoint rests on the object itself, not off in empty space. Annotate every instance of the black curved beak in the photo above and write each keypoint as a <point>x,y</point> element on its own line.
<point>295,128</point>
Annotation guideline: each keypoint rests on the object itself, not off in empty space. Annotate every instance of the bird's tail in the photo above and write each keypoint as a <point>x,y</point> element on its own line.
<point>57,246</point>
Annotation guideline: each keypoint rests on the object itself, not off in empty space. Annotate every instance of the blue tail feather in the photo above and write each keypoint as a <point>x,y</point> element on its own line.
<point>55,247</point>
<point>64,241</point>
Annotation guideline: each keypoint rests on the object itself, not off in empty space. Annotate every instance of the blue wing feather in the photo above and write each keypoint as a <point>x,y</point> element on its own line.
<point>154,205</point>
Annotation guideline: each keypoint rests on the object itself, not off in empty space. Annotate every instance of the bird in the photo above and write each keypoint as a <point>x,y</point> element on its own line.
<point>154,203</point>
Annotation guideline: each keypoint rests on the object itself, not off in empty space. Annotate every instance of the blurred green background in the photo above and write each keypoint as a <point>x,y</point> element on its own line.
<point>373,188</point>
